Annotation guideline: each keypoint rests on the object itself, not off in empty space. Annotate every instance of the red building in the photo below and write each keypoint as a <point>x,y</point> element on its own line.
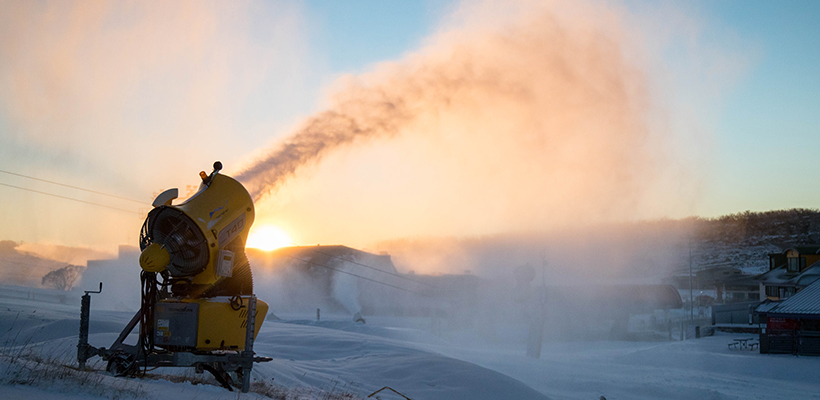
<point>792,325</point>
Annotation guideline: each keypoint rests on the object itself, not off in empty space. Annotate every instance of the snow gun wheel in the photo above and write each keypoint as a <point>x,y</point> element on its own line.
<point>122,365</point>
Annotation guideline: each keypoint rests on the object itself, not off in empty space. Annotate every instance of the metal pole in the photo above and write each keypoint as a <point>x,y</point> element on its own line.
<point>691,297</point>
<point>82,347</point>
<point>249,337</point>
<point>85,317</point>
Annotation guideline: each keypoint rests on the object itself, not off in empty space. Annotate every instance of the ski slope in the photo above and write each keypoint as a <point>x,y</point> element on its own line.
<point>337,355</point>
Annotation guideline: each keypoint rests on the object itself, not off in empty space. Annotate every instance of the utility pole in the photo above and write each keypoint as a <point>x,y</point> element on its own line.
<point>691,299</point>
<point>538,311</point>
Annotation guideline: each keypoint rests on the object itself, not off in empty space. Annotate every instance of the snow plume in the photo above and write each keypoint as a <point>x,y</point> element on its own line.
<point>366,114</point>
<point>638,252</point>
<point>529,114</point>
<point>345,289</point>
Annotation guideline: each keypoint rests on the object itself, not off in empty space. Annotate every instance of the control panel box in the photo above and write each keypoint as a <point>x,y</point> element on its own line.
<point>175,324</point>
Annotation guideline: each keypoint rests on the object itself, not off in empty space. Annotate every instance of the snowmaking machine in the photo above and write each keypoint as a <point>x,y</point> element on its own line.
<point>198,307</point>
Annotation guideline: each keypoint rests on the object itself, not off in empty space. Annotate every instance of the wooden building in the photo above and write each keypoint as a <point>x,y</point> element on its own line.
<point>789,272</point>
<point>793,324</point>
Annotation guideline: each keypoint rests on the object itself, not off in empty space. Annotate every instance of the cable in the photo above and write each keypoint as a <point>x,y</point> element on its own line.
<point>148,299</point>
<point>350,273</point>
<point>73,187</point>
<point>71,198</point>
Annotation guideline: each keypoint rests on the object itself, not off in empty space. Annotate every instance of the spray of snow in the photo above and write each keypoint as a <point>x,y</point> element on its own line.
<point>529,114</point>
<point>344,288</point>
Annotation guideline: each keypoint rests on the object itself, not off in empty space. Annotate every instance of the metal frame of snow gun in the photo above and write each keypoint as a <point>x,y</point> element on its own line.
<point>125,360</point>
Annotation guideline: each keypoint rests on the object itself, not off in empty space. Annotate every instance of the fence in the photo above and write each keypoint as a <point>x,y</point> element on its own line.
<point>791,341</point>
<point>735,313</point>
<point>677,327</point>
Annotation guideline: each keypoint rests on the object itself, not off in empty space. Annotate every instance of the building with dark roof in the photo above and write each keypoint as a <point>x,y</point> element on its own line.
<point>789,272</point>
<point>793,324</point>
<point>337,279</point>
<point>738,288</point>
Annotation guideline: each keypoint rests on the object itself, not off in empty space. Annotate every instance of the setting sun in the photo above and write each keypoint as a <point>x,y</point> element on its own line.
<point>268,237</point>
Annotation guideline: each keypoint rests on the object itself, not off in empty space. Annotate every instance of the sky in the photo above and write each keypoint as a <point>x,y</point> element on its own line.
<point>132,98</point>
<point>768,126</point>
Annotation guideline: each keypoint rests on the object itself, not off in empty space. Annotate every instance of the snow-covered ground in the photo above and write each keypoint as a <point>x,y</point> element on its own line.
<point>337,355</point>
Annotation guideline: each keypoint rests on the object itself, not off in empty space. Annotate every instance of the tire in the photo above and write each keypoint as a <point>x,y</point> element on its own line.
<point>122,365</point>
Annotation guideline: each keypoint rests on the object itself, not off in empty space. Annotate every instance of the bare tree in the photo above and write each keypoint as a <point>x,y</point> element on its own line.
<point>63,278</point>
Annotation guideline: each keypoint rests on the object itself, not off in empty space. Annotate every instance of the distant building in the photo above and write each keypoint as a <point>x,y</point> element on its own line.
<point>335,278</point>
<point>120,277</point>
<point>729,283</point>
<point>793,324</point>
<point>340,279</point>
<point>710,275</point>
<point>738,288</point>
<point>789,272</point>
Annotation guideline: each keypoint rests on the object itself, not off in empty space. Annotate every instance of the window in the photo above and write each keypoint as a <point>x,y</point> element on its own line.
<point>771,291</point>
<point>785,292</point>
<point>794,264</point>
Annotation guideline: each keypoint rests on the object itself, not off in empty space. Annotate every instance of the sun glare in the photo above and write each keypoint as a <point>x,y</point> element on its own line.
<point>268,237</point>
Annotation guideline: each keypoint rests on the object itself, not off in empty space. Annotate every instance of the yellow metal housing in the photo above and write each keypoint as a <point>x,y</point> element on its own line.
<point>224,212</point>
<point>219,325</point>
<point>154,258</point>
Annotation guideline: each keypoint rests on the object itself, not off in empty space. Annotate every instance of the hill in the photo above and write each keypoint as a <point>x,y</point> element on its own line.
<point>745,239</point>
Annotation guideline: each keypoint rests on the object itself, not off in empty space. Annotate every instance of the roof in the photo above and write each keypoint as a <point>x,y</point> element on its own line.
<point>740,280</point>
<point>806,301</point>
<point>781,277</point>
<point>327,256</point>
<point>767,306</point>
<point>807,249</point>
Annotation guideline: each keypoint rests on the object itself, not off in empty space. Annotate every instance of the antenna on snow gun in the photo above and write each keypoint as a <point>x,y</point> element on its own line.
<point>198,308</point>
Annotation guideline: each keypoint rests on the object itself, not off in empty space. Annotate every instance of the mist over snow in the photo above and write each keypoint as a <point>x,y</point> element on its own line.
<point>338,356</point>
<point>618,252</point>
<point>25,268</point>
